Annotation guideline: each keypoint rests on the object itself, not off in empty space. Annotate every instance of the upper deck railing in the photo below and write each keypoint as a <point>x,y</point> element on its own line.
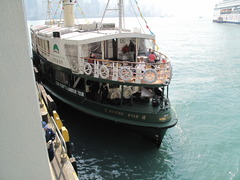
<point>141,72</point>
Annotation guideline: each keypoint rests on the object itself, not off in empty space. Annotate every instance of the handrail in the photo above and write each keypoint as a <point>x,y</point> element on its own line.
<point>60,137</point>
<point>143,72</point>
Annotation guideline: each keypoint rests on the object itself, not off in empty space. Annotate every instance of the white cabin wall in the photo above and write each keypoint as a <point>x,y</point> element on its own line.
<point>58,56</point>
<point>84,52</point>
<point>23,152</point>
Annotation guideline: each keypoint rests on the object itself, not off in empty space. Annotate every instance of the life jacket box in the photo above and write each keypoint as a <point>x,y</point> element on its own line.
<point>123,57</point>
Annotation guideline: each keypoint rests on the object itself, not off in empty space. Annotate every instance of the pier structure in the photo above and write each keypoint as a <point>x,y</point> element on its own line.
<point>63,166</point>
<point>23,152</point>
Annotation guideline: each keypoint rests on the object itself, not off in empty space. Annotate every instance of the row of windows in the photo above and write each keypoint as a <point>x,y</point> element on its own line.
<point>232,12</point>
<point>43,46</point>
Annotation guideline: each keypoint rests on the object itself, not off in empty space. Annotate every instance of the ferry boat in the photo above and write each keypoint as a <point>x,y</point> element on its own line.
<point>227,11</point>
<point>103,70</point>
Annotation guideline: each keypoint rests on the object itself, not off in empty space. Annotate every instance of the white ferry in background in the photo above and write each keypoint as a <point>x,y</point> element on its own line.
<point>227,11</point>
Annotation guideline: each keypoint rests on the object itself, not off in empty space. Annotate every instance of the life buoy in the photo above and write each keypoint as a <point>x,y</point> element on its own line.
<point>150,75</point>
<point>74,65</point>
<point>87,69</point>
<point>127,92</point>
<point>115,94</point>
<point>104,72</point>
<point>125,74</point>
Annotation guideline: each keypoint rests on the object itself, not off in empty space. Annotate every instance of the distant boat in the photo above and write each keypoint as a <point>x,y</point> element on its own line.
<point>227,11</point>
<point>116,82</point>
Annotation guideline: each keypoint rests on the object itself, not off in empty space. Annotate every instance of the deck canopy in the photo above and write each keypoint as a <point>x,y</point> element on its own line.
<point>85,37</point>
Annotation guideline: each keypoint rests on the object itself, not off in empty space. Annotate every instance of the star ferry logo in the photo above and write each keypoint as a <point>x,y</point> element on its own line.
<point>55,48</point>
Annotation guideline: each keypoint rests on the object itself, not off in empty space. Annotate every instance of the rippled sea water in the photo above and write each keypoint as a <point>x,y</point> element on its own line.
<point>205,91</point>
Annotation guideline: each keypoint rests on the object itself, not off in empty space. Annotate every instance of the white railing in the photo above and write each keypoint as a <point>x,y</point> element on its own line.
<point>141,72</point>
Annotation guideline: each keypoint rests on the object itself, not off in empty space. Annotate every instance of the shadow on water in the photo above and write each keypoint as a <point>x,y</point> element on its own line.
<point>106,150</point>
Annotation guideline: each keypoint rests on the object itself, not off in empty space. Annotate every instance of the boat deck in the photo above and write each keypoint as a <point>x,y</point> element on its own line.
<point>136,106</point>
<point>127,71</point>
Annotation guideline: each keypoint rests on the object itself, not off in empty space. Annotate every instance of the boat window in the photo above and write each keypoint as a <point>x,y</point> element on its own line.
<point>38,43</point>
<point>92,89</point>
<point>48,48</point>
<point>96,49</point>
<point>61,77</point>
<point>76,82</point>
<point>44,46</point>
<point>142,47</point>
<point>148,43</point>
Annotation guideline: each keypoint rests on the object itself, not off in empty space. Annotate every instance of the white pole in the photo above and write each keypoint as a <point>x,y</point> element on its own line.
<point>68,6</point>
<point>120,5</point>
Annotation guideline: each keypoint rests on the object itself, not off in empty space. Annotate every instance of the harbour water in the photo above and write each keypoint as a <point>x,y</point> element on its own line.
<point>205,91</point>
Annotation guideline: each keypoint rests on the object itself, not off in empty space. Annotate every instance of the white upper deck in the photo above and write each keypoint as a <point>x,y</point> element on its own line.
<point>87,36</point>
<point>228,4</point>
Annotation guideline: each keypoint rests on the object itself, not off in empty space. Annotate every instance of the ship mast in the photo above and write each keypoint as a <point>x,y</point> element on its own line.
<point>120,10</point>
<point>120,5</point>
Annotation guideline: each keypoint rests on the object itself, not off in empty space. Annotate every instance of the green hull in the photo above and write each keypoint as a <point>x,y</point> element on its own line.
<point>142,117</point>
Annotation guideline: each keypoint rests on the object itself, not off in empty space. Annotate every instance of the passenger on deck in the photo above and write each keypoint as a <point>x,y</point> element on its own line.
<point>141,65</point>
<point>148,52</point>
<point>125,49</point>
<point>92,56</point>
<point>152,57</point>
<point>163,61</point>
<point>132,50</point>
<point>104,92</point>
<point>49,136</point>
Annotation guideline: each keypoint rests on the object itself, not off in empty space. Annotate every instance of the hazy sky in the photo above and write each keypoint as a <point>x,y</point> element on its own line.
<point>176,7</point>
<point>182,7</point>
<point>188,8</point>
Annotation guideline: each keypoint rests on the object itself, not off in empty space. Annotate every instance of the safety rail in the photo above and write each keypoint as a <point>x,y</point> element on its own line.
<point>60,139</point>
<point>141,72</point>
<point>45,103</point>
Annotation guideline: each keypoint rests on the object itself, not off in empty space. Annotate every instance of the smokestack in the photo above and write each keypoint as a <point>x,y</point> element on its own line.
<point>68,6</point>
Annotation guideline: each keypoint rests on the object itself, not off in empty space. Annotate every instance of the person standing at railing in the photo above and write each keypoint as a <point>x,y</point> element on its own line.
<point>125,49</point>
<point>132,50</point>
<point>148,52</point>
<point>50,136</point>
<point>141,65</point>
<point>152,57</point>
<point>104,92</point>
<point>92,56</point>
